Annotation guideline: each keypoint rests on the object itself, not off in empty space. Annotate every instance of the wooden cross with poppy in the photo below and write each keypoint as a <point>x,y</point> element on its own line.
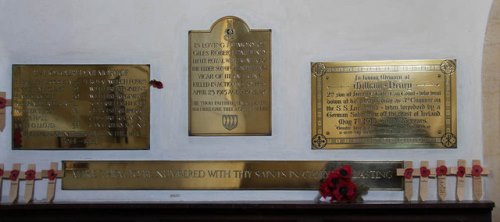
<point>476,171</point>
<point>4,102</point>
<point>29,176</point>
<point>423,173</point>
<point>13,176</point>
<point>441,171</point>
<point>52,174</point>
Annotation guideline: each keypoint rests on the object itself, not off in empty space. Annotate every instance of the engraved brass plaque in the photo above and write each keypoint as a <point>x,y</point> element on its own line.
<point>384,104</point>
<point>80,107</point>
<point>222,175</point>
<point>229,80</point>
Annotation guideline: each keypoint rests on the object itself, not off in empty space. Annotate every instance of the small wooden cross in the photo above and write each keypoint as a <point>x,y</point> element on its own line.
<point>52,174</point>
<point>423,173</point>
<point>476,171</point>
<point>13,176</point>
<point>30,175</point>
<point>407,173</point>
<point>441,171</point>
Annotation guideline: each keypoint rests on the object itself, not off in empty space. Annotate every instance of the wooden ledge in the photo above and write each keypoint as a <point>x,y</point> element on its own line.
<point>250,211</point>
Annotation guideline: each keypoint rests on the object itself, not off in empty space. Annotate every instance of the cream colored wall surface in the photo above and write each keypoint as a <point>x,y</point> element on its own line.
<point>156,32</point>
<point>491,105</point>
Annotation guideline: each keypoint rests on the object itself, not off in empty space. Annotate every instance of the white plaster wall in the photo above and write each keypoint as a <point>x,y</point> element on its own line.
<point>155,32</point>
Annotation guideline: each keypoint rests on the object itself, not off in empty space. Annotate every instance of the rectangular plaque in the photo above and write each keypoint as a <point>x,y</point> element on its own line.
<point>384,104</point>
<point>221,175</point>
<point>229,80</point>
<point>80,107</point>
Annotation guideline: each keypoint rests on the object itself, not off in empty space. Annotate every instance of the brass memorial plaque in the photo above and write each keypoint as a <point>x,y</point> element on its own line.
<point>222,175</point>
<point>384,104</point>
<point>230,80</point>
<point>80,107</point>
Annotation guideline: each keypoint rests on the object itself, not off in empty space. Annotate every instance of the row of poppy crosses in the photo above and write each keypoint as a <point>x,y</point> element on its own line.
<point>441,172</point>
<point>30,175</point>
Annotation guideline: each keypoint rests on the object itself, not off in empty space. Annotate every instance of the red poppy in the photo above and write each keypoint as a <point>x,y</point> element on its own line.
<point>424,172</point>
<point>30,175</point>
<point>325,190</point>
<point>346,190</point>
<point>52,174</point>
<point>1,172</point>
<point>461,171</point>
<point>345,172</point>
<point>408,173</point>
<point>14,174</point>
<point>476,170</point>
<point>156,84</point>
<point>442,170</point>
<point>3,102</point>
<point>332,180</point>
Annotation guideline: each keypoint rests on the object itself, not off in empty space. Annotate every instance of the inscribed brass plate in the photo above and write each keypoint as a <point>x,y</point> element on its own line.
<point>230,80</point>
<point>221,175</point>
<point>384,104</point>
<point>80,107</point>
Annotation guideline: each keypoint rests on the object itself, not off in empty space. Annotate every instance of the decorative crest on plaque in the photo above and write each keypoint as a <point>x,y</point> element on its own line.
<point>448,67</point>
<point>449,140</point>
<point>319,142</point>
<point>230,32</point>
<point>230,121</point>
<point>318,69</point>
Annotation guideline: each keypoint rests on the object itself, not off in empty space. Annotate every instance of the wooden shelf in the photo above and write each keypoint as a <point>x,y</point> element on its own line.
<point>250,211</point>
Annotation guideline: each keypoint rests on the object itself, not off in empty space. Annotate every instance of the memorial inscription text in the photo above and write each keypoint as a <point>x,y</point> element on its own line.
<point>81,106</point>
<point>230,80</point>
<point>374,104</point>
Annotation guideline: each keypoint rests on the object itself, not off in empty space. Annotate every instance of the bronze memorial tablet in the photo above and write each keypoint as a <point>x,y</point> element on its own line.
<point>230,80</point>
<point>384,104</point>
<point>222,175</point>
<point>80,107</point>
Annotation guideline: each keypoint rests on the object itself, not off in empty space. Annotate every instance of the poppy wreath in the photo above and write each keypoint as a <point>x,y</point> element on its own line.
<point>339,187</point>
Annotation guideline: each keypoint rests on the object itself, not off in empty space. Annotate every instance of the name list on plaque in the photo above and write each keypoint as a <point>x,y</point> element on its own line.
<point>384,104</point>
<point>222,175</point>
<point>80,107</point>
<point>230,80</point>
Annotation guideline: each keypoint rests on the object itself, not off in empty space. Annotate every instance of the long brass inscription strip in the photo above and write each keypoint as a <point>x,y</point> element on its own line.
<point>384,104</point>
<point>80,106</point>
<point>230,80</point>
<point>221,175</point>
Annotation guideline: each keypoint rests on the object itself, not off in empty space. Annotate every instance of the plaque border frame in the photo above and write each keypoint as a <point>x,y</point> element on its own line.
<point>269,133</point>
<point>446,66</point>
